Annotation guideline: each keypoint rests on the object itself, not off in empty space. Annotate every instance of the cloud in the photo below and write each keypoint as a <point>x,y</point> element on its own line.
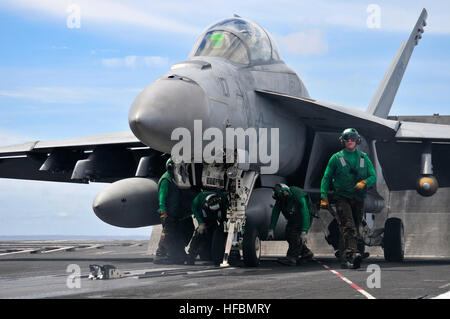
<point>10,138</point>
<point>133,61</point>
<point>68,95</point>
<point>102,11</point>
<point>171,16</point>
<point>304,43</point>
<point>156,61</point>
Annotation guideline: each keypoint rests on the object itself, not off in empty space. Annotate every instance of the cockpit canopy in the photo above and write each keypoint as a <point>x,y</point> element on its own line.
<point>238,40</point>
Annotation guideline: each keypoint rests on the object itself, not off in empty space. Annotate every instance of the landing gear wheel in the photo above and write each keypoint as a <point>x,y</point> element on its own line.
<point>251,247</point>
<point>394,240</point>
<point>218,245</point>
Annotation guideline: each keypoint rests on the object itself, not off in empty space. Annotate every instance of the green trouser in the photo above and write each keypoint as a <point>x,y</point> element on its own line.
<point>296,247</point>
<point>201,241</point>
<point>349,216</point>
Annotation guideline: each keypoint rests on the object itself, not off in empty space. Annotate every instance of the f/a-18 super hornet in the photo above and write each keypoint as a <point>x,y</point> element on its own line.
<point>235,78</point>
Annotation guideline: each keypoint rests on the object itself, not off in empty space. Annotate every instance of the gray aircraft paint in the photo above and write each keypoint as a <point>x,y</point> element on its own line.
<point>225,94</point>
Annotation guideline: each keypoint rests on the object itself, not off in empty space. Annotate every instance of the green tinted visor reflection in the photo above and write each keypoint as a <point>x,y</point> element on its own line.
<point>217,40</point>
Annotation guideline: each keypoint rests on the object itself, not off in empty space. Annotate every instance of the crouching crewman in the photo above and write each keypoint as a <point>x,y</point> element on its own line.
<point>210,210</point>
<point>293,203</point>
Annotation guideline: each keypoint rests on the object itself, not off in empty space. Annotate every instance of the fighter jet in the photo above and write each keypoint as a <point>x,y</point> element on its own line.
<point>235,77</point>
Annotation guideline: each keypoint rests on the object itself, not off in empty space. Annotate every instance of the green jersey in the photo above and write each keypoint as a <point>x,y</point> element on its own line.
<point>202,214</point>
<point>169,196</point>
<point>294,209</point>
<point>344,170</point>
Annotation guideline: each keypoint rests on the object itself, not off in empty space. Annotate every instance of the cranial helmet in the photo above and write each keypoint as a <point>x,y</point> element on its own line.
<point>350,134</point>
<point>212,202</point>
<point>279,189</point>
<point>169,164</point>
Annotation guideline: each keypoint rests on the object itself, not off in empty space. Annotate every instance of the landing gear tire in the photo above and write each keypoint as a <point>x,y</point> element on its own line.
<point>251,247</point>
<point>394,240</point>
<point>218,245</point>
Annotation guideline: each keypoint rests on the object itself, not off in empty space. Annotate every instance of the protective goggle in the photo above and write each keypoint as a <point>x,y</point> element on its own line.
<point>278,191</point>
<point>350,137</point>
<point>213,203</point>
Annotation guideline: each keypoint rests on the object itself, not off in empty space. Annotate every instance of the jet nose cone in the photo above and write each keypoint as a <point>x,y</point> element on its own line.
<point>162,107</point>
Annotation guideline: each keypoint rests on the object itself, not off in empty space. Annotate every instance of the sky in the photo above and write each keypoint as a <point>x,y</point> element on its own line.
<point>73,68</point>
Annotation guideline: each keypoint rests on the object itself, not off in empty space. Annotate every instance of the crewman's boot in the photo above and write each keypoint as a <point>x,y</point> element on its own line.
<point>356,262</point>
<point>337,254</point>
<point>307,255</point>
<point>190,260</point>
<point>346,260</point>
<point>160,259</point>
<point>178,258</point>
<point>288,261</point>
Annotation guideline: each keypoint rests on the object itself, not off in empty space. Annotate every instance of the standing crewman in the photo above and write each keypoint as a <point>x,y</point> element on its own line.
<point>293,203</point>
<point>172,216</point>
<point>210,210</point>
<point>351,173</point>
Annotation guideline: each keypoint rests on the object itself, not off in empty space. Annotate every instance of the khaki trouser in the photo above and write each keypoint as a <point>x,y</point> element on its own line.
<point>162,245</point>
<point>349,213</point>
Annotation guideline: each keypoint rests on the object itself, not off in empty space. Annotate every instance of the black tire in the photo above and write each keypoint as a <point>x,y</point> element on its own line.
<point>218,245</point>
<point>251,247</point>
<point>394,240</point>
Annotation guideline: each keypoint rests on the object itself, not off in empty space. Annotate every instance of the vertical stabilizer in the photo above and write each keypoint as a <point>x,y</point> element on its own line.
<point>384,96</point>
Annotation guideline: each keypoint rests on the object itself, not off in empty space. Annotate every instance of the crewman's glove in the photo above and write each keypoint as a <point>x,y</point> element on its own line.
<point>324,203</point>
<point>361,185</point>
<point>201,228</point>
<point>303,235</point>
<point>163,216</point>
<point>270,235</point>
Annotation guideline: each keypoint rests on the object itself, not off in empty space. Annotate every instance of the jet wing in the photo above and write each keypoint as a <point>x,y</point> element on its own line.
<point>99,158</point>
<point>399,144</point>
<point>325,116</point>
<point>401,159</point>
